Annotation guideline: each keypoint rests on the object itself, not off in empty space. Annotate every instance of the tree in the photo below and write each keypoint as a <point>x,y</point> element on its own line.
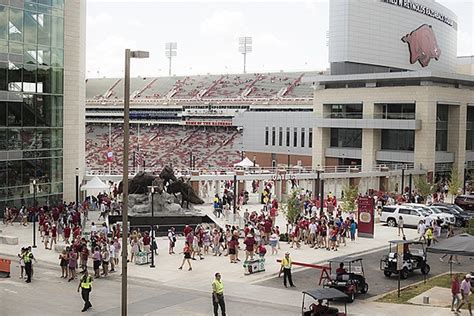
<point>423,187</point>
<point>454,183</point>
<point>292,207</point>
<point>349,201</point>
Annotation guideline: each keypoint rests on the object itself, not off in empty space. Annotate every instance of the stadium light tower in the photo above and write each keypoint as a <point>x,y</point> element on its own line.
<point>245,47</point>
<point>170,52</point>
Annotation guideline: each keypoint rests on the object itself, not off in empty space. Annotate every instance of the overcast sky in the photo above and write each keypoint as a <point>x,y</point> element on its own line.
<point>289,36</point>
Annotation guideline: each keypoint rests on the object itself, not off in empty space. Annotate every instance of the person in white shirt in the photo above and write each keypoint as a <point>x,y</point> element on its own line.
<point>93,229</point>
<point>112,256</point>
<point>466,290</point>
<point>422,230</point>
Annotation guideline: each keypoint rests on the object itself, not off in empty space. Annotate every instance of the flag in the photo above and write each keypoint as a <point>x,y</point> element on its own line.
<point>110,155</point>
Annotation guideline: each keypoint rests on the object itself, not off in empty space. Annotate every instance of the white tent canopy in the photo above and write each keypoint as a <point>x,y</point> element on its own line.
<point>246,163</point>
<point>95,184</point>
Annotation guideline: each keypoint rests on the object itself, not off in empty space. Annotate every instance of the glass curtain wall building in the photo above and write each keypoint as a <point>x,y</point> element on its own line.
<point>31,101</point>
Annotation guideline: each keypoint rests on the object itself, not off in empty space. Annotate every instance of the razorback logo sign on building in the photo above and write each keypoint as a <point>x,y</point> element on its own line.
<point>422,45</point>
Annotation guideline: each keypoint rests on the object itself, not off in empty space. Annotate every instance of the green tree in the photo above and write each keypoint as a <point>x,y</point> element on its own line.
<point>423,187</point>
<point>455,183</point>
<point>292,208</point>
<point>349,201</point>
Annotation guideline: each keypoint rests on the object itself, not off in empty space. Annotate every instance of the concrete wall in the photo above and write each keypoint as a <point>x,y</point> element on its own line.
<point>426,99</point>
<point>370,32</point>
<point>74,94</point>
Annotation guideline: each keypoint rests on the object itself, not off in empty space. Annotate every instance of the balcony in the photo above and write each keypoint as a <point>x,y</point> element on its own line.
<point>404,121</point>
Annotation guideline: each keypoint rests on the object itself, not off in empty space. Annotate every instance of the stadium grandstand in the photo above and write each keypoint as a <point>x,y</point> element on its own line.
<point>175,118</point>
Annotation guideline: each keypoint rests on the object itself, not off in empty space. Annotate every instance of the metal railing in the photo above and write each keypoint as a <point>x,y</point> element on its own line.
<point>255,170</point>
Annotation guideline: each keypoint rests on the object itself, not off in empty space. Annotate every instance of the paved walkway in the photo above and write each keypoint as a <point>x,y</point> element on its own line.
<point>237,284</point>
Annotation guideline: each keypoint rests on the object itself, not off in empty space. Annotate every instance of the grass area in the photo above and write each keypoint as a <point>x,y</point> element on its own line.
<point>415,290</point>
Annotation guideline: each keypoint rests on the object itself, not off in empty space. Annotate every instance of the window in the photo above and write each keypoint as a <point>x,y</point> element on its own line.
<point>273,136</point>
<point>470,128</point>
<point>397,111</point>
<point>266,136</point>
<point>415,213</point>
<point>346,137</point>
<point>395,139</point>
<point>310,140</point>
<point>3,22</point>
<point>442,127</point>
<point>302,137</point>
<point>404,211</point>
<point>287,137</point>
<point>388,209</point>
<point>350,111</point>
<point>280,136</point>
<point>295,137</point>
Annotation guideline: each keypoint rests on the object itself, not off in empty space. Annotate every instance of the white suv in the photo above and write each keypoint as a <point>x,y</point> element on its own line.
<point>434,213</point>
<point>411,216</point>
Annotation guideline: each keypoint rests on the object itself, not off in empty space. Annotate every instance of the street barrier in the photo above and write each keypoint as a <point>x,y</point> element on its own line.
<point>325,270</point>
<point>5,268</point>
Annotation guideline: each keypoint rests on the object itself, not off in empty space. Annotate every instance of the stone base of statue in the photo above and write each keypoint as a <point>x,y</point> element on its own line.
<point>167,213</point>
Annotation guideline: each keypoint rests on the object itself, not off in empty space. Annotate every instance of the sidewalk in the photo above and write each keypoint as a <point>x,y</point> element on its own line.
<point>237,284</point>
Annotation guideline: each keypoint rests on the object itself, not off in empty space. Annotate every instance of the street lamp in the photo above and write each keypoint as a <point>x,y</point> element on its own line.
<point>245,47</point>
<point>465,178</point>
<point>77,188</point>
<point>170,52</point>
<point>126,140</point>
<point>152,228</point>
<point>34,213</point>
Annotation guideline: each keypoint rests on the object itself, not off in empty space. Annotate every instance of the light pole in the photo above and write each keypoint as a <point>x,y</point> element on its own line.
<point>170,52</point>
<point>34,213</point>
<point>126,140</point>
<point>152,227</point>
<point>245,47</point>
<point>77,188</point>
<point>464,178</point>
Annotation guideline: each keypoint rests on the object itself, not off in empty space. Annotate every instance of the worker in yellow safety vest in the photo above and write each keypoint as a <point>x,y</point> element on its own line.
<point>218,295</point>
<point>286,269</point>
<point>85,284</point>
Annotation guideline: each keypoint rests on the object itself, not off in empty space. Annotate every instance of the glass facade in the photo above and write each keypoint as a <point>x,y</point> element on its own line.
<point>346,137</point>
<point>442,127</point>
<point>470,128</point>
<point>31,101</point>
<point>397,139</point>
<point>348,111</point>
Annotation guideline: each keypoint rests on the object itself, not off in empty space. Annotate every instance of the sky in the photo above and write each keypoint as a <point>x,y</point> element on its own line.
<point>288,36</point>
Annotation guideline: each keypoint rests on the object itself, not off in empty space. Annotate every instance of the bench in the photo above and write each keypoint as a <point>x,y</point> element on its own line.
<point>8,240</point>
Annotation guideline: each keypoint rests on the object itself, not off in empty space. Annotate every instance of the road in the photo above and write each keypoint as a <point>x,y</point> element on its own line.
<point>378,283</point>
<point>48,294</point>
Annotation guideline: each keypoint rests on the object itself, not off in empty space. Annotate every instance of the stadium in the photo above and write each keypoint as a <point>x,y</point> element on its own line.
<point>189,122</point>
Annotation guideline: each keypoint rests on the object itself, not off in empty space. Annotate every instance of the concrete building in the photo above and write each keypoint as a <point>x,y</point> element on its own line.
<point>42,61</point>
<point>383,105</point>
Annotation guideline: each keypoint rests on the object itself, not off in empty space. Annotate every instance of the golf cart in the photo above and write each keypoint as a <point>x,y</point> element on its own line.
<point>414,257</point>
<point>321,295</point>
<point>347,275</point>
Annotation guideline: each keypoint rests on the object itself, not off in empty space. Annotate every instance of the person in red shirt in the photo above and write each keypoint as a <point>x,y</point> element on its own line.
<point>249,247</point>
<point>76,232</point>
<point>273,214</point>
<point>187,230</point>
<point>46,235</point>
<point>267,228</point>
<point>67,234</point>
<point>54,236</point>
<point>146,242</point>
<point>233,244</point>
<point>456,292</point>
<point>187,256</point>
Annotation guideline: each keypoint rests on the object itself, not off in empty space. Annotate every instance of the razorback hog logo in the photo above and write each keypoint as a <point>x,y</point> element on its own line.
<point>422,45</point>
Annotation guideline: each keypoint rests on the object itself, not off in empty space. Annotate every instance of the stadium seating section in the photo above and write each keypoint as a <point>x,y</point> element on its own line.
<point>227,86</point>
<point>158,145</point>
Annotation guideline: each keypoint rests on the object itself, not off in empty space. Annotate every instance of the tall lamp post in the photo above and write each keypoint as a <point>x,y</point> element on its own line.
<point>34,213</point>
<point>464,178</point>
<point>152,265</point>
<point>77,188</point>
<point>126,140</point>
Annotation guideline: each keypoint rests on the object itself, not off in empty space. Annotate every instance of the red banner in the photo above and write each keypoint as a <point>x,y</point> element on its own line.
<point>110,155</point>
<point>366,220</point>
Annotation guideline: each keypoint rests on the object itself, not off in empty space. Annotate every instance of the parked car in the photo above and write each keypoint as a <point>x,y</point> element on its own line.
<point>466,202</point>
<point>461,216</point>
<point>411,216</point>
<point>435,213</point>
